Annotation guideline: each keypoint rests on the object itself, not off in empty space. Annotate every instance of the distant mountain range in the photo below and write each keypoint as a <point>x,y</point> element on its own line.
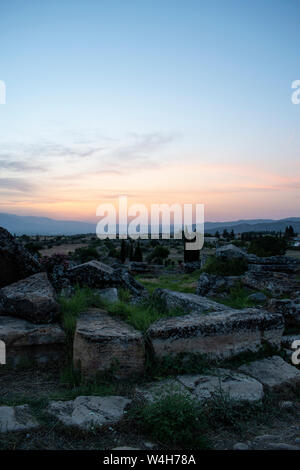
<point>31,225</point>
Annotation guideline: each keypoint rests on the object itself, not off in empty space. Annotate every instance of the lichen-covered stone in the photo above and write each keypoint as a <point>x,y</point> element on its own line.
<point>275,283</point>
<point>288,308</point>
<point>216,335</point>
<point>15,261</point>
<point>25,341</point>
<point>187,303</point>
<point>103,343</point>
<point>32,298</point>
<point>212,284</point>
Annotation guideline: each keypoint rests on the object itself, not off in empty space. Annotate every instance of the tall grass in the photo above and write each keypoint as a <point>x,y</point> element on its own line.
<point>139,315</point>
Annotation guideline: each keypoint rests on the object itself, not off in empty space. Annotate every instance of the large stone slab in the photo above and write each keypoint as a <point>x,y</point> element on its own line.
<point>16,418</point>
<point>187,303</point>
<point>212,284</point>
<point>88,413</point>
<point>25,341</point>
<point>32,298</point>
<point>274,373</point>
<point>15,261</point>
<point>100,275</point>
<point>216,335</point>
<point>275,283</point>
<point>234,385</point>
<point>104,343</point>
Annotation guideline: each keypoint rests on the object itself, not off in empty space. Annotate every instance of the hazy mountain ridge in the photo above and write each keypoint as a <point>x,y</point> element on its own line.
<point>33,225</point>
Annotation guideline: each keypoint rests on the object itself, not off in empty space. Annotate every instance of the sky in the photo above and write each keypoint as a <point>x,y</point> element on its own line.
<point>165,101</point>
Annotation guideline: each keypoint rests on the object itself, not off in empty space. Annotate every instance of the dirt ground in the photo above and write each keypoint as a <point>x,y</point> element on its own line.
<point>35,387</point>
<point>63,249</point>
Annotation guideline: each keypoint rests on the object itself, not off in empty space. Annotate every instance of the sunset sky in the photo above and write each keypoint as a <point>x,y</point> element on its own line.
<point>165,101</point>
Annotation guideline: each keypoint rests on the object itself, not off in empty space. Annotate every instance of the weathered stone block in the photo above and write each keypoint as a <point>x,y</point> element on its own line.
<point>188,303</point>
<point>104,343</point>
<point>32,298</point>
<point>26,341</point>
<point>274,373</point>
<point>216,335</point>
<point>100,275</point>
<point>275,283</point>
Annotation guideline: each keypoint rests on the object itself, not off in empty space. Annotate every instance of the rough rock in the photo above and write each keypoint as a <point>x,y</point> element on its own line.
<point>99,275</point>
<point>240,446</point>
<point>104,343</point>
<point>237,386</point>
<point>88,413</point>
<point>216,335</point>
<point>32,298</point>
<point>16,418</point>
<point>274,373</point>
<point>109,295</point>
<point>15,261</point>
<point>290,309</point>
<point>25,341</point>
<point>187,303</point>
<point>212,284</point>
<point>283,264</point>
<point>276,284</point>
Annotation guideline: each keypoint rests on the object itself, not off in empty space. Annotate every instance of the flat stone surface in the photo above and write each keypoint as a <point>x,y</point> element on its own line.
<point>25,340</point>
<point>216,335</point>
<point>89,412</point>
<point>16,418</point>
<point>32,298</point>
<point>274,373</point>
<point>188,303</point>
<point>103,343</point>
<point>237,386</point>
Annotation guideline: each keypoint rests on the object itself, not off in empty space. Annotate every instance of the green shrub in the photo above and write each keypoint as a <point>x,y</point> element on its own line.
<point>71,307</point>
<point>174,419</point>
<point>231,267</point>
<point>86,254</point>
<point>268,246</point>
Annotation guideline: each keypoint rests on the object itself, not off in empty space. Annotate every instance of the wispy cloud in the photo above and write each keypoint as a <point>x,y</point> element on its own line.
<point>16,184</point>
